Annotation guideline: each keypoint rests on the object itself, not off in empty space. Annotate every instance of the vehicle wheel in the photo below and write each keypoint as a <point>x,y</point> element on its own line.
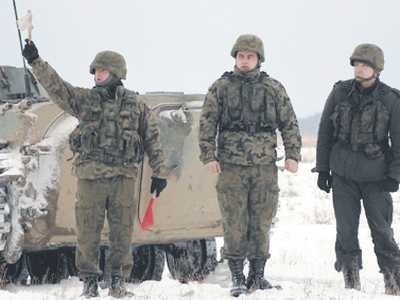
<point>18,272</point>
<point>69,253</point>
<point>64,266</point>
<point>191,260</point>
<point>3,272</point>
<point>12,272</point>
<point>38,266</point>
<point>148,263</point>
<point>50,266</point>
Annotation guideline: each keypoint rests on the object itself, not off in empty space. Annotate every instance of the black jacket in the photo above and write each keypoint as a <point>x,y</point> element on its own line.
<point>339,157</point>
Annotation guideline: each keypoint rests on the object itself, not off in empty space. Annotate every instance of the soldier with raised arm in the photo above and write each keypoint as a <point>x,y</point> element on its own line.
<point>115,130</point>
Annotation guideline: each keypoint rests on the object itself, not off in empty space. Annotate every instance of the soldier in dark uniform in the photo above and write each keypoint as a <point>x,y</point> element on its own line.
<point>243,110</point>
<point>358,156</point>
<point>115,129</point>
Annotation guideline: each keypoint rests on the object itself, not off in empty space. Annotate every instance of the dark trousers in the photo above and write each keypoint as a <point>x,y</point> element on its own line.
<point>378,206</point>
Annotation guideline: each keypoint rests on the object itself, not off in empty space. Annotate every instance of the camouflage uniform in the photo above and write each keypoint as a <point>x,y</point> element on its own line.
<point>240,116</point>
<point>113,133</point>
<point>353,144</point>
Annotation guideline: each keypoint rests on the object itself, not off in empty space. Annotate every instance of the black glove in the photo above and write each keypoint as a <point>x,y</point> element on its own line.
<point>389,185</point>
<point>157,185</point>
<point>30,51</point>
<point>324,181</point>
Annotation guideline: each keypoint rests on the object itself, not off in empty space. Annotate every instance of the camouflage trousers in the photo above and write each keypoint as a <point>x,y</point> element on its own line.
<point>94,198</point>
<point>378,207</point>
<point>248,199</point>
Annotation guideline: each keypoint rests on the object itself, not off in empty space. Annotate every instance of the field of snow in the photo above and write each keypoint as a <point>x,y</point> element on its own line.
<point>302,258</point>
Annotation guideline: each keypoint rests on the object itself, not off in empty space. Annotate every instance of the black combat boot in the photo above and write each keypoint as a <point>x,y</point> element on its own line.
<point>392,282</point>
<point>256,280</point>
<point>238,279</point>
<point>351,275</point>
<point>90,287</point>
<point>117,289</point>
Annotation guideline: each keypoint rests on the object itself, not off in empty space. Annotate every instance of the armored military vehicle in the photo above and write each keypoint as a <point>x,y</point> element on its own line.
<point>37,192</point>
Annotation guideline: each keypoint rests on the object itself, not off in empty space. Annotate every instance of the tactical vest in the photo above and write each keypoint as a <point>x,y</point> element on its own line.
<point>108,130</point>
<point>247,105</point>
<point>364,126</point>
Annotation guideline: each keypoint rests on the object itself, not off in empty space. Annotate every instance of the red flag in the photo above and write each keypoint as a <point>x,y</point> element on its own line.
<point>148,218</point>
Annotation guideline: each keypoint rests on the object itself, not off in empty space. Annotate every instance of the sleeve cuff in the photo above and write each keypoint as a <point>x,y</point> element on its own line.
<point>36,60</point>
<point>294,156</point>
<point>207,158</point>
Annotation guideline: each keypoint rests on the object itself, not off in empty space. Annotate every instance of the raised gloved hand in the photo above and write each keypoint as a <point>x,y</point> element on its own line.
<point>157,185</point>
<point>30,52</point>
<point>389,185</point>
<point>324,181</point>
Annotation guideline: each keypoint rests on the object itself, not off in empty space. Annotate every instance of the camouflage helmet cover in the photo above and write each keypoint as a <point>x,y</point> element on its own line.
<point>249,42</point>
<point>370,54</point>
<point>111,61</point>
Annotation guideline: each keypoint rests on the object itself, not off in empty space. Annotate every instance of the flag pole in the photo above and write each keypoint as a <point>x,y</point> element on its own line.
<point>28,92</point>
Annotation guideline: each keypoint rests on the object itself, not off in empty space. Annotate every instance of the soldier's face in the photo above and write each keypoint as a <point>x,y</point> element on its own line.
<point>246,60</point>
<point>362,71</point>
<point>100,75</point>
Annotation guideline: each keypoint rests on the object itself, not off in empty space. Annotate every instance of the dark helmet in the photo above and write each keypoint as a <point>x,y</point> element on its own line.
<point>111,61</point>
<point>249,42</point>
<point>370,54</point>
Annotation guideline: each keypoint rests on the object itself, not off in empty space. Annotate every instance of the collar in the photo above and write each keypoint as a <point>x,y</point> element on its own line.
<point>361,97</point>
<point>251,75</point>
<point>110,91</point>
<point>370,91</point>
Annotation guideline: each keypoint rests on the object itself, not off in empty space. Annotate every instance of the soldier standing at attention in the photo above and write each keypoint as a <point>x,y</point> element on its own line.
<point>241,113</point>
<point>358,155</point>
<point>115,129</point>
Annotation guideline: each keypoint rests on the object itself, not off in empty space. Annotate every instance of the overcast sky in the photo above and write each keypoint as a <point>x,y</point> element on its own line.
<point>184,45</point>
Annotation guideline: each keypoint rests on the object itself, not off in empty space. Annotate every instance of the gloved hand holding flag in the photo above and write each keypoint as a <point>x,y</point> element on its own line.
<point>157,185</point>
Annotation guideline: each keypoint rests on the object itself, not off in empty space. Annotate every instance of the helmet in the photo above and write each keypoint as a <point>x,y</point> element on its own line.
<point>370,54</point>
<point>249,42</point>
<point>111,61</point>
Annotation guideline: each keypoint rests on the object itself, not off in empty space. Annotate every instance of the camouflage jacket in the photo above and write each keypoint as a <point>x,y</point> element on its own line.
<point>239,119</point>
<point>80,103</point>
<point>354,133</point>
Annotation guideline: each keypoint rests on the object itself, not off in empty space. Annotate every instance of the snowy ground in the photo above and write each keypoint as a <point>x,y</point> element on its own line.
<point>302,256</point>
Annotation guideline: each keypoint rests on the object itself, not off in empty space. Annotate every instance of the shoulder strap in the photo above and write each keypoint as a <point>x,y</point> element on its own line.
<point>227,75</point>
<point>345,85</point>
<point>396,91</point>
